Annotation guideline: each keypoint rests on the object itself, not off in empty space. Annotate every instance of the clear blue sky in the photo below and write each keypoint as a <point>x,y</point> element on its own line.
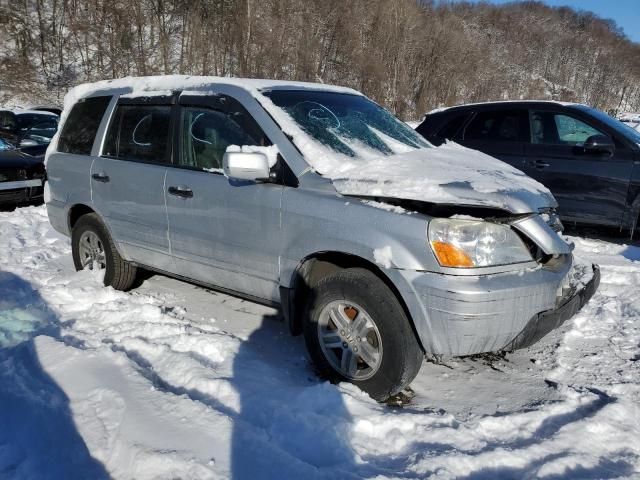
<point>626,13</point>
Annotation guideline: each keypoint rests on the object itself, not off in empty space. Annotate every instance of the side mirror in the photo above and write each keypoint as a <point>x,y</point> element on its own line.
<point>246,165</point>
<point>599,144</point>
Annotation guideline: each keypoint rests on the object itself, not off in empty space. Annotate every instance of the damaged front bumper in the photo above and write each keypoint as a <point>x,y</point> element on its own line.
<point>568,305</point>
<point>465,315</point>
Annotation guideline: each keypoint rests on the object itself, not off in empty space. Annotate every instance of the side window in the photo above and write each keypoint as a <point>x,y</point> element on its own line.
<point>139,132</point>
<point>559,129</point>
<point>207,133</point>
<point>8,121</point>
<point>500,126</point>
<point>81,126</point>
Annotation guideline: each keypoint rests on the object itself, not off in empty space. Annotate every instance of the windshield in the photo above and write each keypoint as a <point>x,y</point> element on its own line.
<point>617,125</point>
<point>37,128</point>
<point>349,124</point>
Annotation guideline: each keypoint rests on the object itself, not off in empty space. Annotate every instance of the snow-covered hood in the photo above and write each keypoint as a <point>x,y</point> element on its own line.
<point>449,174</point>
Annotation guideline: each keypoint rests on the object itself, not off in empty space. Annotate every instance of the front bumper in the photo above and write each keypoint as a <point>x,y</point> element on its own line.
<point>465,315</point>
<point>21,191</point>
<point>568,306</point>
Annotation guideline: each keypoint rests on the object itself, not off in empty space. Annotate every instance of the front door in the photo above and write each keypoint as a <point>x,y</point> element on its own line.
<point>590,187</point>
<point>223,232</point>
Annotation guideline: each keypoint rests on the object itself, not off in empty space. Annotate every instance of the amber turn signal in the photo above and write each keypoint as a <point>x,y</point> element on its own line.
<point>451,256</point>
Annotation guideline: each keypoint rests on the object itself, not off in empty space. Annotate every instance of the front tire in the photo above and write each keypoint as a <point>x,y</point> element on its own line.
<point>357,331</point>
<point>93,248</point>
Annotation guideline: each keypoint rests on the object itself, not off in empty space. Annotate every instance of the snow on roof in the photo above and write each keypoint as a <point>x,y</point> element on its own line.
<point>36,112</point>
<point>552,102</point>
<point>132,86</point>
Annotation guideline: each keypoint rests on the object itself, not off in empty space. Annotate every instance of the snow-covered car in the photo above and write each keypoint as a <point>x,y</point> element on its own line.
<point>378,246</point>
<point>21,176</point>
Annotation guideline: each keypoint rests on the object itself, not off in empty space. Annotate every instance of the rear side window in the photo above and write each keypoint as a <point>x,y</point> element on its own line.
<point>453,126</point>
<point>81,126</point>
<point>497,126</point>
<point>139,132</point>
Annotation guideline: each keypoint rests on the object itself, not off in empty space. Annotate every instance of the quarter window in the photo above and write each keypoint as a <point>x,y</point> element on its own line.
<point>139,133</point>
<point>559,129</point>
<point>207,133</point>
<point>501,126</point>
<point>80,128</point>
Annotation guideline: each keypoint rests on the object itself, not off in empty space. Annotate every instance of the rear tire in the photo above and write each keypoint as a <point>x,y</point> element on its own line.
<point>356,330</point>
<point>92,247</point>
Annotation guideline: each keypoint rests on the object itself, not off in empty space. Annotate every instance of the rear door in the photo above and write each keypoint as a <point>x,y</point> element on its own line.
<point>590,187</point>
<point>223,232</point>
<point>128,179</point>
<point>499,132</point>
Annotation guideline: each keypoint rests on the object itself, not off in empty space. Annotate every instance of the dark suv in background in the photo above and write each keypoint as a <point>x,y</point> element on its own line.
<point>589,160</point>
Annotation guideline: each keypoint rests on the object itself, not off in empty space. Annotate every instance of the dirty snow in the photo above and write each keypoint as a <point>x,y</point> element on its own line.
<point>174,381</point>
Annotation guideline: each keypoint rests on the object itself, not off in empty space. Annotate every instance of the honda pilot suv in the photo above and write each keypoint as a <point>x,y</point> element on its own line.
<point>378,246</point>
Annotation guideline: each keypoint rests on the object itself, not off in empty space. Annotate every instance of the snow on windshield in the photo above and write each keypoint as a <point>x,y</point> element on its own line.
<point>365,150</point>
<point>350,125</point>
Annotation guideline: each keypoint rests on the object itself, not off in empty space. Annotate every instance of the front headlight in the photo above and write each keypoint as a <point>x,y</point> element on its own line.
<point>475,243</point>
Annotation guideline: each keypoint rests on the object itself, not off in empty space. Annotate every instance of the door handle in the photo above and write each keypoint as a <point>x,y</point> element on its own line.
<point>100,177</point>
<point>181,191</point>
<point>539,164</point>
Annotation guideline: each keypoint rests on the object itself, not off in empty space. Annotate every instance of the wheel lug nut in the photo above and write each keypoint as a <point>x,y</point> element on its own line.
<point>359,339</point>
<point>344,345</point>
<point>355,349</point>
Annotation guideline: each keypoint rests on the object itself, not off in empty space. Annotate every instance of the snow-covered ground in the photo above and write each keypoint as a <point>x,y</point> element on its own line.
<point>174,381</point>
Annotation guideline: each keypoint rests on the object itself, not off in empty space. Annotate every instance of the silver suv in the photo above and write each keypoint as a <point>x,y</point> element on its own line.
<point>377,246</point>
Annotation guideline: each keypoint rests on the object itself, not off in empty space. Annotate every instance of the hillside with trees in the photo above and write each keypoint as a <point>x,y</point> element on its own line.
<point>409,55</point>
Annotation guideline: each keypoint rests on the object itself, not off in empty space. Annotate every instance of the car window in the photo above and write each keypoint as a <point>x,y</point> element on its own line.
<point>41,132</point>
<point>501,126</point>
<point>349,124</point>
<point>139,132</point>
<point>28,120</point>
<point>207,133</point>
<point>453,126</point>
<point>7,121</point>
<point>559,129</point>
<point>80,127</point>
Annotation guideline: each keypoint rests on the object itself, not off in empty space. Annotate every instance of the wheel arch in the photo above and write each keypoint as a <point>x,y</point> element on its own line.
<point>81,209</point>
<point>316,266</point>
<point>75,212</point>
